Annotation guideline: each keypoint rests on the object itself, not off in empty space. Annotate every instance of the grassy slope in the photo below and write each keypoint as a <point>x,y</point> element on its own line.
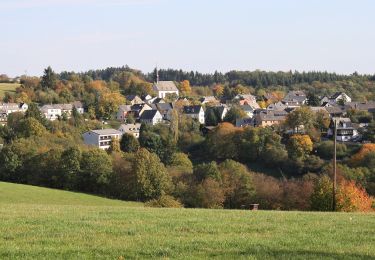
<point>8,87</point>
<point>48,229</point>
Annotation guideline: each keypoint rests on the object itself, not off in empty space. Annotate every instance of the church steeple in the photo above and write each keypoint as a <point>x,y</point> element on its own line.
<point>157,74</point>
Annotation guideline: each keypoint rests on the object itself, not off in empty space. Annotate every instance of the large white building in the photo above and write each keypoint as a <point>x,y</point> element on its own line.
<point>165,88</point>
<point>101,138</point>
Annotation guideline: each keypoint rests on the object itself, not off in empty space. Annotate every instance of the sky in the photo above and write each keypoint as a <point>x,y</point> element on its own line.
<point>200,35</point>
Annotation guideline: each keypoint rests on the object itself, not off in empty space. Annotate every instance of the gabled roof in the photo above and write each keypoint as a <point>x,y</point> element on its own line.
<point>165,86</point>
<point>336,95</point>
<point>164,106</point>
<point>295,96</point>
<point>272,115</point>
<point>192,109</point>
<point>148,114</point>
<point>335,110</point>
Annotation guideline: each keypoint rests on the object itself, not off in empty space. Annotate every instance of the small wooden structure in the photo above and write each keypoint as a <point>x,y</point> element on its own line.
<point>254,206</point>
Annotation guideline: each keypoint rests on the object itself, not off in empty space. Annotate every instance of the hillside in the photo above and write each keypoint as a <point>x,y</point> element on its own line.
<point>49,224</point>
<point>8,87</point>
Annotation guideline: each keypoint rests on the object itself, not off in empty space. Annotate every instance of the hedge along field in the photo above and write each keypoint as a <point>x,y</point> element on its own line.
<point>49,229</point>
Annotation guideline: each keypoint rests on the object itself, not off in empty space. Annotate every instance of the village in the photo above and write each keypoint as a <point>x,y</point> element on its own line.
<point>158,109</point>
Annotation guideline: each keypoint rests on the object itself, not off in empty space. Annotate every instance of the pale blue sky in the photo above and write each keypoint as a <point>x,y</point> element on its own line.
<point>203,35</point>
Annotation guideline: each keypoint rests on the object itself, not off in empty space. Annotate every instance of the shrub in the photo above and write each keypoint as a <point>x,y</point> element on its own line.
<point>164,201</point>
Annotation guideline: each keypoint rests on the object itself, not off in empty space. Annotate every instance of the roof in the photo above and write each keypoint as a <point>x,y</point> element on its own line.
<point>335,110</point>
<point>208,99</point>
<point>130,128</point>
<point>149,114</point>
<point>165,86</point>
<point>368,106</point>
<point>247,108</point>
<point>192,109</point>
<point>272,115</point>
<point>109,131</point>
<point>295,96</point>
<point>164,106</point>
<point>336,95</point>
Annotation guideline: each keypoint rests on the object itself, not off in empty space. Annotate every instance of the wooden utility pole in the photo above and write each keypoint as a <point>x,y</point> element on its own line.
<point>334,165</point>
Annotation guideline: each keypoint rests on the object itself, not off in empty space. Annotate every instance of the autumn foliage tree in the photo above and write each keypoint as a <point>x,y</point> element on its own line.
<point>299,146</point>
<point>185,88</point>
<point>351,198</point>
<point>357,159</point>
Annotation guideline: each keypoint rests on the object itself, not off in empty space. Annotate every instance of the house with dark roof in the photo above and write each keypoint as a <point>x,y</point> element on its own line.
<point>165,110</point>
<point>346,130</point>
<point>151,117</point>
<point>165,88</point>
<point>195,112</point>
<point>336,111</point>
<point>243,122</point>
<point>295,99</point>
<point>101,138</point>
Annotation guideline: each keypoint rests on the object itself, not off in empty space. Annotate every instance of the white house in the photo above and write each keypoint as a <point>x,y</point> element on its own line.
<point>165,88</point>
<point>151,117</point>
<point>101,138</point>
<point>345,129</point>
<point>51,112</point>
<point>54,111</point>
<point>132,129</point>
<point>13,107</point>
<point>340,96</point>
<point>195,112</point>
<point>295,99</point>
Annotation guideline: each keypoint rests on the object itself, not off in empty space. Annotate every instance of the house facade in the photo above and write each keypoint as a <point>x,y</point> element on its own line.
<point>269,118</point>
<point>346,131</point>
<point>340,97</point>
<point>195,112</point>
<point>101,138</point>
<point>151,117</point>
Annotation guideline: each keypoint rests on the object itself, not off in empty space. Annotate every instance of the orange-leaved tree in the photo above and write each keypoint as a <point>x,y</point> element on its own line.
<point>352,197</point>
<point>357,159</point>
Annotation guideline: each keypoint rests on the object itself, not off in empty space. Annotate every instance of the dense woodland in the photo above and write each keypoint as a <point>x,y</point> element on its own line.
<point>177,164</point>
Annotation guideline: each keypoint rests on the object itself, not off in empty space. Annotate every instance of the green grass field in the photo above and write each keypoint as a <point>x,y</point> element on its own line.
<point>39,223</point>
<point>8,87</point>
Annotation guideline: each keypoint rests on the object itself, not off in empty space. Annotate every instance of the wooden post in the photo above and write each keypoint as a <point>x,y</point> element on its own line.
<point>334,166</point>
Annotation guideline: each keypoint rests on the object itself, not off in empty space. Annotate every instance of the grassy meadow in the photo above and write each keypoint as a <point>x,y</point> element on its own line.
<point>40,223</point>
<point>8,87</point>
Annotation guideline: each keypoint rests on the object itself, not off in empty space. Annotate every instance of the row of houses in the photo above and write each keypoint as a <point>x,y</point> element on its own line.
<point>51,112</point>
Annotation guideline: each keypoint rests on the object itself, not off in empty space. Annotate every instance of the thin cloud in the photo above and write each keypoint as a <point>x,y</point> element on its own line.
<point>26,4</point>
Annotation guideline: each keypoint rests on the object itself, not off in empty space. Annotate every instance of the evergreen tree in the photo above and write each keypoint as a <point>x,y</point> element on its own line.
<point>49,79</point>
